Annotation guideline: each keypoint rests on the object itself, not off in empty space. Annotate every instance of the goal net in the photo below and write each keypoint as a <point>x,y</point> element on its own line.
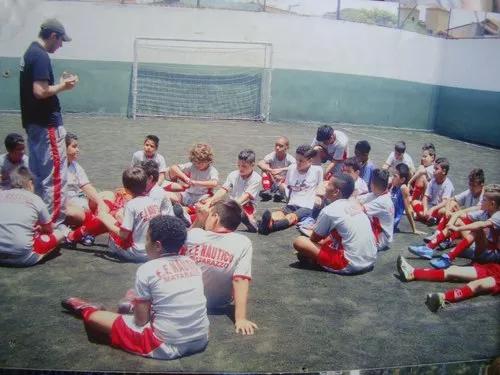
<point>201,78</point>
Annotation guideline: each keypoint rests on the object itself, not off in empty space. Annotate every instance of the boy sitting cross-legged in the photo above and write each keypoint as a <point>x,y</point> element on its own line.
<point>300,184</point>
<point>342,240</point>
<point>170,316</point>
<point>15,157</point>
<point>242,185</point>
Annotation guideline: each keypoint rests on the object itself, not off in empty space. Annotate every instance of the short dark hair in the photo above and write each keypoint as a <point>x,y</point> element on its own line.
<point>170,231</point>
<point>229,214</point>
<point>345,184</point>
<point>12,140</point>
<point>46,33</point>
<point>135,180</point>
<point>20,177</point>
<point>324,133</point>
<point>380,178</point>
<point>476,175</point>
<point>353,163</point>
<point>70,137</point>
<point>428,146</point>
<point>153,138</point>
<point>151,168</point>
<point>247,155</point>
<point>363,147</point>
<point>492,191</point>
<point>444,164</point>
<point>403,171</point>
<point>400,147</point>
<point>306,151</point>
<point>430,151</point>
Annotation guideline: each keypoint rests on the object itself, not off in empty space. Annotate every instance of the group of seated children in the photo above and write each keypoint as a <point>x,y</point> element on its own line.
<point>348,213</point>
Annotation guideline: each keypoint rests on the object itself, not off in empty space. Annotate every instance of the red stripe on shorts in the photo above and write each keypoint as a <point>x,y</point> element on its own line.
<point>56,158</point>
<point>142,343</point>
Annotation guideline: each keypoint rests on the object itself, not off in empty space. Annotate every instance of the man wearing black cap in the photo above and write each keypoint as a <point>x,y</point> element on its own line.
<point>41,116</point>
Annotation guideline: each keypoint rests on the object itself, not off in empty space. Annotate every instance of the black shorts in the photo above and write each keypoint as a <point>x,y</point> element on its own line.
<point>301,212</point>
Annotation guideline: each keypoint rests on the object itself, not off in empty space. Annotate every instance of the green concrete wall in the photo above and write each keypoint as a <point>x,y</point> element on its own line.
<point>298,95</point>
<point>471,115</point>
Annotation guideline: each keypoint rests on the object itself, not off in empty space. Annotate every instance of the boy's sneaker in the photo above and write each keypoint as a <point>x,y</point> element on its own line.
<point>442,262</point>
<point>432,221</point>
<point>278,197</point>
<point>68,243</point>
<point>430,237</point>
<point>446,244</point>
<point>179,212</point>
<point>265,195</point>
<point>435,301</point>
<point>250,224</point>
<point>422,251</point>
<point>405,269</point>
<point>265,222</point>
<point>88,240</point>
<point>77,305</point>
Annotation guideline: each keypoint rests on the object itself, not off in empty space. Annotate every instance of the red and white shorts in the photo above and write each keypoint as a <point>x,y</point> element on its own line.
<point>42,245</point>
<point>126,335</point>
<point>331,255</point>
<point>489,270</point>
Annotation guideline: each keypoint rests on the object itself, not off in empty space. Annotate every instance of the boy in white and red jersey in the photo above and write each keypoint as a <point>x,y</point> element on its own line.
<point>243,186</point>
<point>342,240</point>
<point>154,190</point>
<point>379,207</point>
<point>300,185</point>
<point>399,155</point>
<point>274,167</point>
<point>150,152</point>
<point>170,316</point>
<point>26,230</point>
<point>353,168</point>
<point>331,145</point>
<point>199,175</point>
<point>423,175</point>
<point>225,258</point>
<point>440,189</point>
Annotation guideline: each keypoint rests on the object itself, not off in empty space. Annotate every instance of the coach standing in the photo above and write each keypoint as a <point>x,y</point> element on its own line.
<point>41,116</point>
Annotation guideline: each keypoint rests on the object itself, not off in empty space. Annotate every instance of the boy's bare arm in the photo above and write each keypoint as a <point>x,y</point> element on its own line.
<point>210,184</point>
<point>218,196</point>
<point>142,312</point>
<point>461,213</point>
<point>244,198</point>
<point>92,194</point>
<point>419,172</point>
<point>472,226</point>
<point>241,324</point>
<point>409,209</point>
<point>264,166</point>
<point>175,171</point>
<point>110,223</point>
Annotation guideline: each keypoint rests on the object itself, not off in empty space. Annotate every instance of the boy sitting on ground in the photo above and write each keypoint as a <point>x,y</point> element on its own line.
<point>481,278</point>
<point>170,316</point>
<point>150,152</point>
<point>342,240</point>
<point>380,209</point>
<point>482,230</point>
<point>26,230</point>
<point>225,258</point>
<point>399,155</point>
<point>274,167</point>
<point>352,168</point>
<point>300,184</point>
<point>15,157</point>
<point>242,185</point>
<point>330,145</point>
<point>362,153</point>
<point>439,189</point>
<point>424,173</point>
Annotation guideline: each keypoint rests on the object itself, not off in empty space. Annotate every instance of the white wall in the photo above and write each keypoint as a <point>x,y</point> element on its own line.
<point>107,32</point>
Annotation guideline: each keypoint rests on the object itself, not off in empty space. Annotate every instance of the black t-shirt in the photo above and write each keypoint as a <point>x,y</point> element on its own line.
<point>36,66</point>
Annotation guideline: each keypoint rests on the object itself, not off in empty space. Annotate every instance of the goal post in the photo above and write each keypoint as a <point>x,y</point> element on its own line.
<point>201,78</point>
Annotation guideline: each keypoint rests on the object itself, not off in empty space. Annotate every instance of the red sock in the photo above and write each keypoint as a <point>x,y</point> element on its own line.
<point>86,312</point>
<point>436,241</point>
<point>77,234</point>
<point>428,274</point>
<point>459,249</point>
<point>458,294</point>
<point>442,223</point>
<point>455,235</point>
<point>94,226</point>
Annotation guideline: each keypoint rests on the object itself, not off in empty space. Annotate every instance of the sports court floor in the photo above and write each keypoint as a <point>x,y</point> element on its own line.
<point>308,320</point>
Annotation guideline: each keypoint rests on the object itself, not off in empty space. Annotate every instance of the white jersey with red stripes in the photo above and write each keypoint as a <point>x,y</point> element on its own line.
<point>436,192</point>
<point>380,211</point>
<point>20,212</point>
<point>174,286</point>
<point>136,216</point>
<point>346,221</point>
<point>77,178</point>
<point>276,163</point>
<point>139,156</point>
<point>466,199</point>
<point>301,187</point>
<point>221,257</point>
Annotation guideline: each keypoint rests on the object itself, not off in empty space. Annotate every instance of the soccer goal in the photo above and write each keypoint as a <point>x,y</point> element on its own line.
<point>201,78</point>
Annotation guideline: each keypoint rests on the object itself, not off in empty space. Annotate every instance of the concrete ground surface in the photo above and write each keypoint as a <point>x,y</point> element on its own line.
<point>308,320</point>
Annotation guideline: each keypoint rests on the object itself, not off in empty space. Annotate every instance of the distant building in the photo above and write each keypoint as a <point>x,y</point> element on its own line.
<point>437,20</point>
